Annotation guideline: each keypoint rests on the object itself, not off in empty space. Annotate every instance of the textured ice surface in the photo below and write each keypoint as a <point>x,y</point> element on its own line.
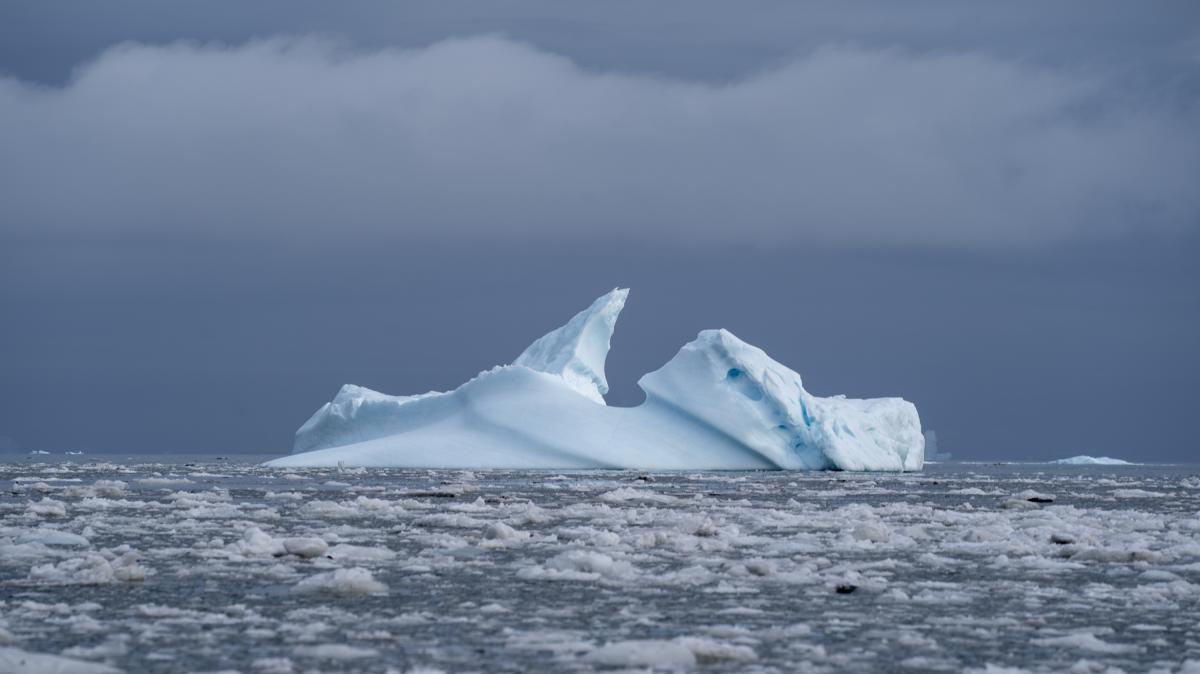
<point>718,404</point>
<point>250,569</point>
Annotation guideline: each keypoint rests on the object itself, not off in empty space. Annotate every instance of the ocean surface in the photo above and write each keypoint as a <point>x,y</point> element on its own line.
<point>205,565</point>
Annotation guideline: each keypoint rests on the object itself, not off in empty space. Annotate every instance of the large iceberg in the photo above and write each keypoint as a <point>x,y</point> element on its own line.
<point>720,403</point>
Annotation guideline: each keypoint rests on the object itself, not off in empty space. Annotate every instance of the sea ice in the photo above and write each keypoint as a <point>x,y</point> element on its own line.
<point>720,403</point>
<point>17,660</point>
<point>306,548</point>
<point>91,569</point>
<point>335,652</point>
<point>347,582</point>
<point>673,654</point>
<point>604,570</point>
<point>1084,641</point>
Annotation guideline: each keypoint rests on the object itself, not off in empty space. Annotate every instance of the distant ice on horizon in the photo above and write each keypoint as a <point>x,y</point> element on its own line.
<point>1092,461</point>
<point>719,404</point>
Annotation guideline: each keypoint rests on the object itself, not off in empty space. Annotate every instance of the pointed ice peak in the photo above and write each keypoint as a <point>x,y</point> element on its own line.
<point>576,351</point>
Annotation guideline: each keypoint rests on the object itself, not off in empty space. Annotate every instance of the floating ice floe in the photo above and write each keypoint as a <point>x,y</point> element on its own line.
<point>720,403</point>
<point>677,653</point>
<point>1092,461</point>
<point>349,582</point>
<point>91,569</point>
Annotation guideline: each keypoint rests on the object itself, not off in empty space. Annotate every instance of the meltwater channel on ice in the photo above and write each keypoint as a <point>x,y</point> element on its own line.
<point>720,403</point>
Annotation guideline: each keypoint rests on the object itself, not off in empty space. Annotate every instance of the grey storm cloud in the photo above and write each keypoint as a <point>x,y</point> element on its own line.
<point>486,136</point>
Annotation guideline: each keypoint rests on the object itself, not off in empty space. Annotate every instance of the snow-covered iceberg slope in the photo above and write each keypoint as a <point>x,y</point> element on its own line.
<point>720,403</point>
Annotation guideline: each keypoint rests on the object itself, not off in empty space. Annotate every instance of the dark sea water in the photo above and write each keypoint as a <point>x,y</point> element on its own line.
<point>203,565</point>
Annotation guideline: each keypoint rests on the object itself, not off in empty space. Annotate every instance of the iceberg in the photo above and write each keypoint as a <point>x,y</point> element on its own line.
<point>1092,461</point>
<point>719,404</point>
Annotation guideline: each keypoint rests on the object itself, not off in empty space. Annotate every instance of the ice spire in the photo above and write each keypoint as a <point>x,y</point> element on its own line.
<point>576,351</point>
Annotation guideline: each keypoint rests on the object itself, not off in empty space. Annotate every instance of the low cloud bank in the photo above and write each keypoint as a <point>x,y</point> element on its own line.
<point>489,138</point>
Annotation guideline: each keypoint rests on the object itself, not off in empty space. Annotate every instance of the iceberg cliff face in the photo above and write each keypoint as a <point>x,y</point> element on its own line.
<point>718,404</point>
<point>739,391</point>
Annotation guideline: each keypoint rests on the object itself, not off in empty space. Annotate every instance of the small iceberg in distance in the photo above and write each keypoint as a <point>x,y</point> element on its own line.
<point>1092,461</point>
<point>719,404</point>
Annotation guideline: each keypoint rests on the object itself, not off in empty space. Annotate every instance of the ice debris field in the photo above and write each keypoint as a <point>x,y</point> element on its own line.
<point>235,567</point>
<point>718,404</point>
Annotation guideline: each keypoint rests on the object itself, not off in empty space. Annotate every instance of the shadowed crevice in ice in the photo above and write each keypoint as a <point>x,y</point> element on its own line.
<point>718,404</point>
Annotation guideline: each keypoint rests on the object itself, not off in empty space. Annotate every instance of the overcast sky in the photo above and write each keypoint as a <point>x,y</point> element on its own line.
<point>213,214</point>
